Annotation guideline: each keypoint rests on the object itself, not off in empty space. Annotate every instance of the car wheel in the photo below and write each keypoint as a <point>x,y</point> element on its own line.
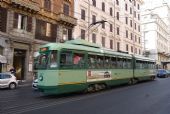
<point>12,86</point>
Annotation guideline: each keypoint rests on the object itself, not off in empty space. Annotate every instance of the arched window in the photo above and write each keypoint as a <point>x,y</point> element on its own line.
<point>47,5</point>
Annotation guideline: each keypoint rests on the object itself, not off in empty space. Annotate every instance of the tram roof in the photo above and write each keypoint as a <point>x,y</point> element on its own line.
<point>83,45</point>
<point>90,49</point>
<point>144,58</point>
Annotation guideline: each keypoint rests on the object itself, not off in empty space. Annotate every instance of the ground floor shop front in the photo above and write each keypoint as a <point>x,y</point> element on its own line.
<point>17,54</point>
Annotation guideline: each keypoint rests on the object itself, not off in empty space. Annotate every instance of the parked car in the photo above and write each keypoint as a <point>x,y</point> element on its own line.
<point>162,73</point>
<point>8,80</point>
<point>34,84</point>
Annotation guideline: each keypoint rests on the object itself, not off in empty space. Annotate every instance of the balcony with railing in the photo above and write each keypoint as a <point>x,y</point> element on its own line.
<point>66,19</point>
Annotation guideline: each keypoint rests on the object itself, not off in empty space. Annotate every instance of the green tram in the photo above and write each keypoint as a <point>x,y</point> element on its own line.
<point>77,65</point>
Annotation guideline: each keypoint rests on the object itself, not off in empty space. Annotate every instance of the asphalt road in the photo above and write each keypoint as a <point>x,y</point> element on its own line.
<point>152,97</point>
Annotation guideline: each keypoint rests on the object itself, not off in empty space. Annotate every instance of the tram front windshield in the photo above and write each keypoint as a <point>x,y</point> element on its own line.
<point>48,60</point>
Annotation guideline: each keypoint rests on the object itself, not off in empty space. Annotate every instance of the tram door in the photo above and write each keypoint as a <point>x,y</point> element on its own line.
<point>19,62</point>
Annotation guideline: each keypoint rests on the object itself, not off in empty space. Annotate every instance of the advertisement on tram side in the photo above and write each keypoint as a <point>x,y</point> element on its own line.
<point>98,75</point>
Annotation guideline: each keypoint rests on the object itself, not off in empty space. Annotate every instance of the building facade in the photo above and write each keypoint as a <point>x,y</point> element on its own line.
<point>155,33</point>
<point>26,24</point>
<point>155,30</point>
<point>121,29</point>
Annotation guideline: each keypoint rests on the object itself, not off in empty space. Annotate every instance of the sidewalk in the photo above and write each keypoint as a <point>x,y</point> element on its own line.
<point>23,83</point>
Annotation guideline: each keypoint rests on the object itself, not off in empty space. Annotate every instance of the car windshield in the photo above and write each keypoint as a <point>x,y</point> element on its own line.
<point>161,71</point>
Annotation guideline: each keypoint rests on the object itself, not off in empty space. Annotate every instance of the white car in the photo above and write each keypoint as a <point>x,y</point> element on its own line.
<point>34,84</point>
<point>8,80</point>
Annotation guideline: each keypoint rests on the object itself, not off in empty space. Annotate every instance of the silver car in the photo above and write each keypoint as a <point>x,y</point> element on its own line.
<point>8,80</point>
<point>34,84</point>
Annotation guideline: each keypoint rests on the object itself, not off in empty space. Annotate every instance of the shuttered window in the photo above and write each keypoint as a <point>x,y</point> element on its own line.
<point>29,24</point>
<point>103,41</point>
<point>83,34</point>
<point>15,22</point>
<point>69,34</point>
<point>94,38</point>
<point>111,44</point>
<point>47,5</point>
<point>45,31</point>
<point>3,19</point>
<point>22,22</point>
<point>83,14</point>
<point>66,9</point>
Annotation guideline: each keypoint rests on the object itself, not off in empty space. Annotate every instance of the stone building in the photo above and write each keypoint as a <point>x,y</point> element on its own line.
<point>26,24</point>
<point>155,29</point>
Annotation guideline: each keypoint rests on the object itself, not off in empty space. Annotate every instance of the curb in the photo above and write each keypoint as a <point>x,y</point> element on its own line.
<point>24,85</point>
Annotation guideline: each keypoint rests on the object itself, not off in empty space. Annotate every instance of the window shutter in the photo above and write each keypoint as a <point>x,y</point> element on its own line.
<point>38,29</point>
<point>69,34</point>
<point>47,5</point>
<point>29,24</point>
<point>53,32</point>
<point>15,22</point>
<point>3,19</point>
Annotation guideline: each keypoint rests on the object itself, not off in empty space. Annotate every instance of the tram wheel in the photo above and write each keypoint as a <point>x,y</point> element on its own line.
<point>130,82</point>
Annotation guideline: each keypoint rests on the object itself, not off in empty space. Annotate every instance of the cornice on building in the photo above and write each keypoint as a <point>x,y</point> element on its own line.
<point>28,6</point>
<point>33,8</point>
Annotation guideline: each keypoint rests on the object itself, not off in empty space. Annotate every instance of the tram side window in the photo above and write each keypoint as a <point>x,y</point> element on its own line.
<point>128,63</point>
<point>100,62</point>
<point>144,64</point>
<point>113,62</point>
<point>79,60</point>
<point>53,59</point>
<point>107,63</point>
<point>119,63</point>
<point>91,61</point>
<point>124,61</point>
<point>151,65</point>
<point>66,59</point>
<point>138,65</point>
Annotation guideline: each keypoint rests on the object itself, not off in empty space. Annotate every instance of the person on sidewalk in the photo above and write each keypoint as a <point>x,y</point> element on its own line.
<point>13,71</point>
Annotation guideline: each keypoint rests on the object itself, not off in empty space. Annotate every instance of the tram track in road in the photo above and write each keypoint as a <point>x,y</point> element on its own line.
<point>17,109</point>
<point>40,102</point>
<point>15,98</point>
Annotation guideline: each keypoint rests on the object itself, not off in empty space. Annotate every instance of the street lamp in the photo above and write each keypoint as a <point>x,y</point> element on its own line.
<point>97,22</point>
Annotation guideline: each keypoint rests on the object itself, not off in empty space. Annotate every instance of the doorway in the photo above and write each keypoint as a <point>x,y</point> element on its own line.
<point>19,63</point>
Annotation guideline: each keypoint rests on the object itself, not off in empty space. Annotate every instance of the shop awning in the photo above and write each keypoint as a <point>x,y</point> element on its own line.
<point>3,59</point>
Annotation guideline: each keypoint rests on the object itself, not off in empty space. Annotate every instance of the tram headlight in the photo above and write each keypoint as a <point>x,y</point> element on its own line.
<point>41,78</point>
